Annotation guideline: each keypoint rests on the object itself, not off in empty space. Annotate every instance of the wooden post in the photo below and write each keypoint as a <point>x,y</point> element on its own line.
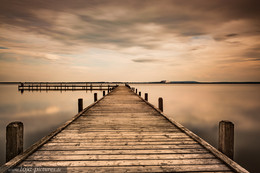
<point>226,138</point>
<point>146,96</point>
<point>80,104</point>
<point>139,93</point>
<point>14,140</point>
<point>104,93</point>
<point>136,91</point>
<point>95,97</point>
<point>160,103</point>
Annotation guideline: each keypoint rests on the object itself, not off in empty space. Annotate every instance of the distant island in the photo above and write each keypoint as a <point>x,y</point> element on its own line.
<point>191,82</point>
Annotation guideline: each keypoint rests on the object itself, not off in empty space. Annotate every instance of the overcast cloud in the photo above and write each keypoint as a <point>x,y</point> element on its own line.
<point>96,40</point>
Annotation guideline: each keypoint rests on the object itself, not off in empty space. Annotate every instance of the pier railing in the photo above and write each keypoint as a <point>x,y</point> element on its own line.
<point>63,86</point>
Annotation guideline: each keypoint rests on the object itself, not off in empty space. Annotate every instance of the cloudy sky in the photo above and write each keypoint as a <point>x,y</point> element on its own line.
<point>134,40</point>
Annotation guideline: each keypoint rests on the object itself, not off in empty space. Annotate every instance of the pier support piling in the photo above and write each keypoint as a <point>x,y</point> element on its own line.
<point>146,96</point>
<point>95,97</point>
<point>80,104</point>
<point>14,140</point>
<point>160,103</point>
<point>226,138</point>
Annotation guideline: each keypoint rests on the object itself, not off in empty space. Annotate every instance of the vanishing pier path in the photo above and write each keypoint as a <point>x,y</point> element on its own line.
<point>123,133</point>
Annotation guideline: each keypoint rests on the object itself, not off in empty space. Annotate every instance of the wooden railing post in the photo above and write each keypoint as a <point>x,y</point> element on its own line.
<point>80,104</point>
<point>139,93</point>
<point>104,93</point>
<point>226,138</point>
<point>160,103</point>
<point>14,140</point>
<point>146,96</point>
<point>95,97</point>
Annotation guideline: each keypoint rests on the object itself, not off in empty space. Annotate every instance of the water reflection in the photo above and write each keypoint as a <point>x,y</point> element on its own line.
<point>201,107</point>
<point>41,112</point>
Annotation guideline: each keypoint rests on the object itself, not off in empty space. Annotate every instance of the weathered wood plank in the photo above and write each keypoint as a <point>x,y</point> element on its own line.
<point>107,140</point>
<point>109,131</point>
<point>120,143</point>
<point>116,152</point>
<point>176,168</point>
<point>122,162</point>
<point>129,134</point>
<point>137,147</point>
<point>121,157</point>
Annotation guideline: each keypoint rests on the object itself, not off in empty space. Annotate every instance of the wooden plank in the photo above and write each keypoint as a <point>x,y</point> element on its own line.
<point>119,143</point>
<point>139,137</point>
<point>57,140</point>
<point>110,131</point>
<point>121,152</point>
<point>121,162</point>
<point>130,134</point>
<point>139,147</point>
<point>176,168</point>
<point>117,138</point>
<point>121,157</point>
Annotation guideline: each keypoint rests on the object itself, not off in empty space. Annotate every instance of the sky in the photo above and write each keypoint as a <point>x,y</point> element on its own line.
<point>129,40</point>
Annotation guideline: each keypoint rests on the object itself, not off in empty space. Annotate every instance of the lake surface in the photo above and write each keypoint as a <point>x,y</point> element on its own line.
<point>197,107</point>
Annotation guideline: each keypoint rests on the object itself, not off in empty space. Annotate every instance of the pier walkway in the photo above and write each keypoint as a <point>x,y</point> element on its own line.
<point>124,133</point>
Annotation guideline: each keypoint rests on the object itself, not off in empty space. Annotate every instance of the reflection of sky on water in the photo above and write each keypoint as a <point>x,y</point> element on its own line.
<point>198,107</point>
<point>201,107</point>
<point>40,112</point>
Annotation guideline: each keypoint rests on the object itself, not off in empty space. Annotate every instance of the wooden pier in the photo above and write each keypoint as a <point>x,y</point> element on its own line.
<point>122,132</point>
<point>63,86</point>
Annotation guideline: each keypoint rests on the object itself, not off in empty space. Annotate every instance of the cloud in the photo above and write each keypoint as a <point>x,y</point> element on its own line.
<point>144,60</point>
<point>189,33</point>
<point>253,53</point>
<point>232,35</point>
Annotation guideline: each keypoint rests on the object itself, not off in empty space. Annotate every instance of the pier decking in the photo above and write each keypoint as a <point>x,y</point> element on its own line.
<point>124,133</point>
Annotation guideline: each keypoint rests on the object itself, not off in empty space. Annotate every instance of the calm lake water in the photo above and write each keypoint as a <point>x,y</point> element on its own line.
<point>197,107</point>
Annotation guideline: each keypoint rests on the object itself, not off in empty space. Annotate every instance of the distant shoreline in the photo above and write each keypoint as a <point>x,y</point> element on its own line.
<point>177,82</point>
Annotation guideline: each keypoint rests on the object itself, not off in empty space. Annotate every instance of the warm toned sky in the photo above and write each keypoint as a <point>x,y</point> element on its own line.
<point>134,40</point>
